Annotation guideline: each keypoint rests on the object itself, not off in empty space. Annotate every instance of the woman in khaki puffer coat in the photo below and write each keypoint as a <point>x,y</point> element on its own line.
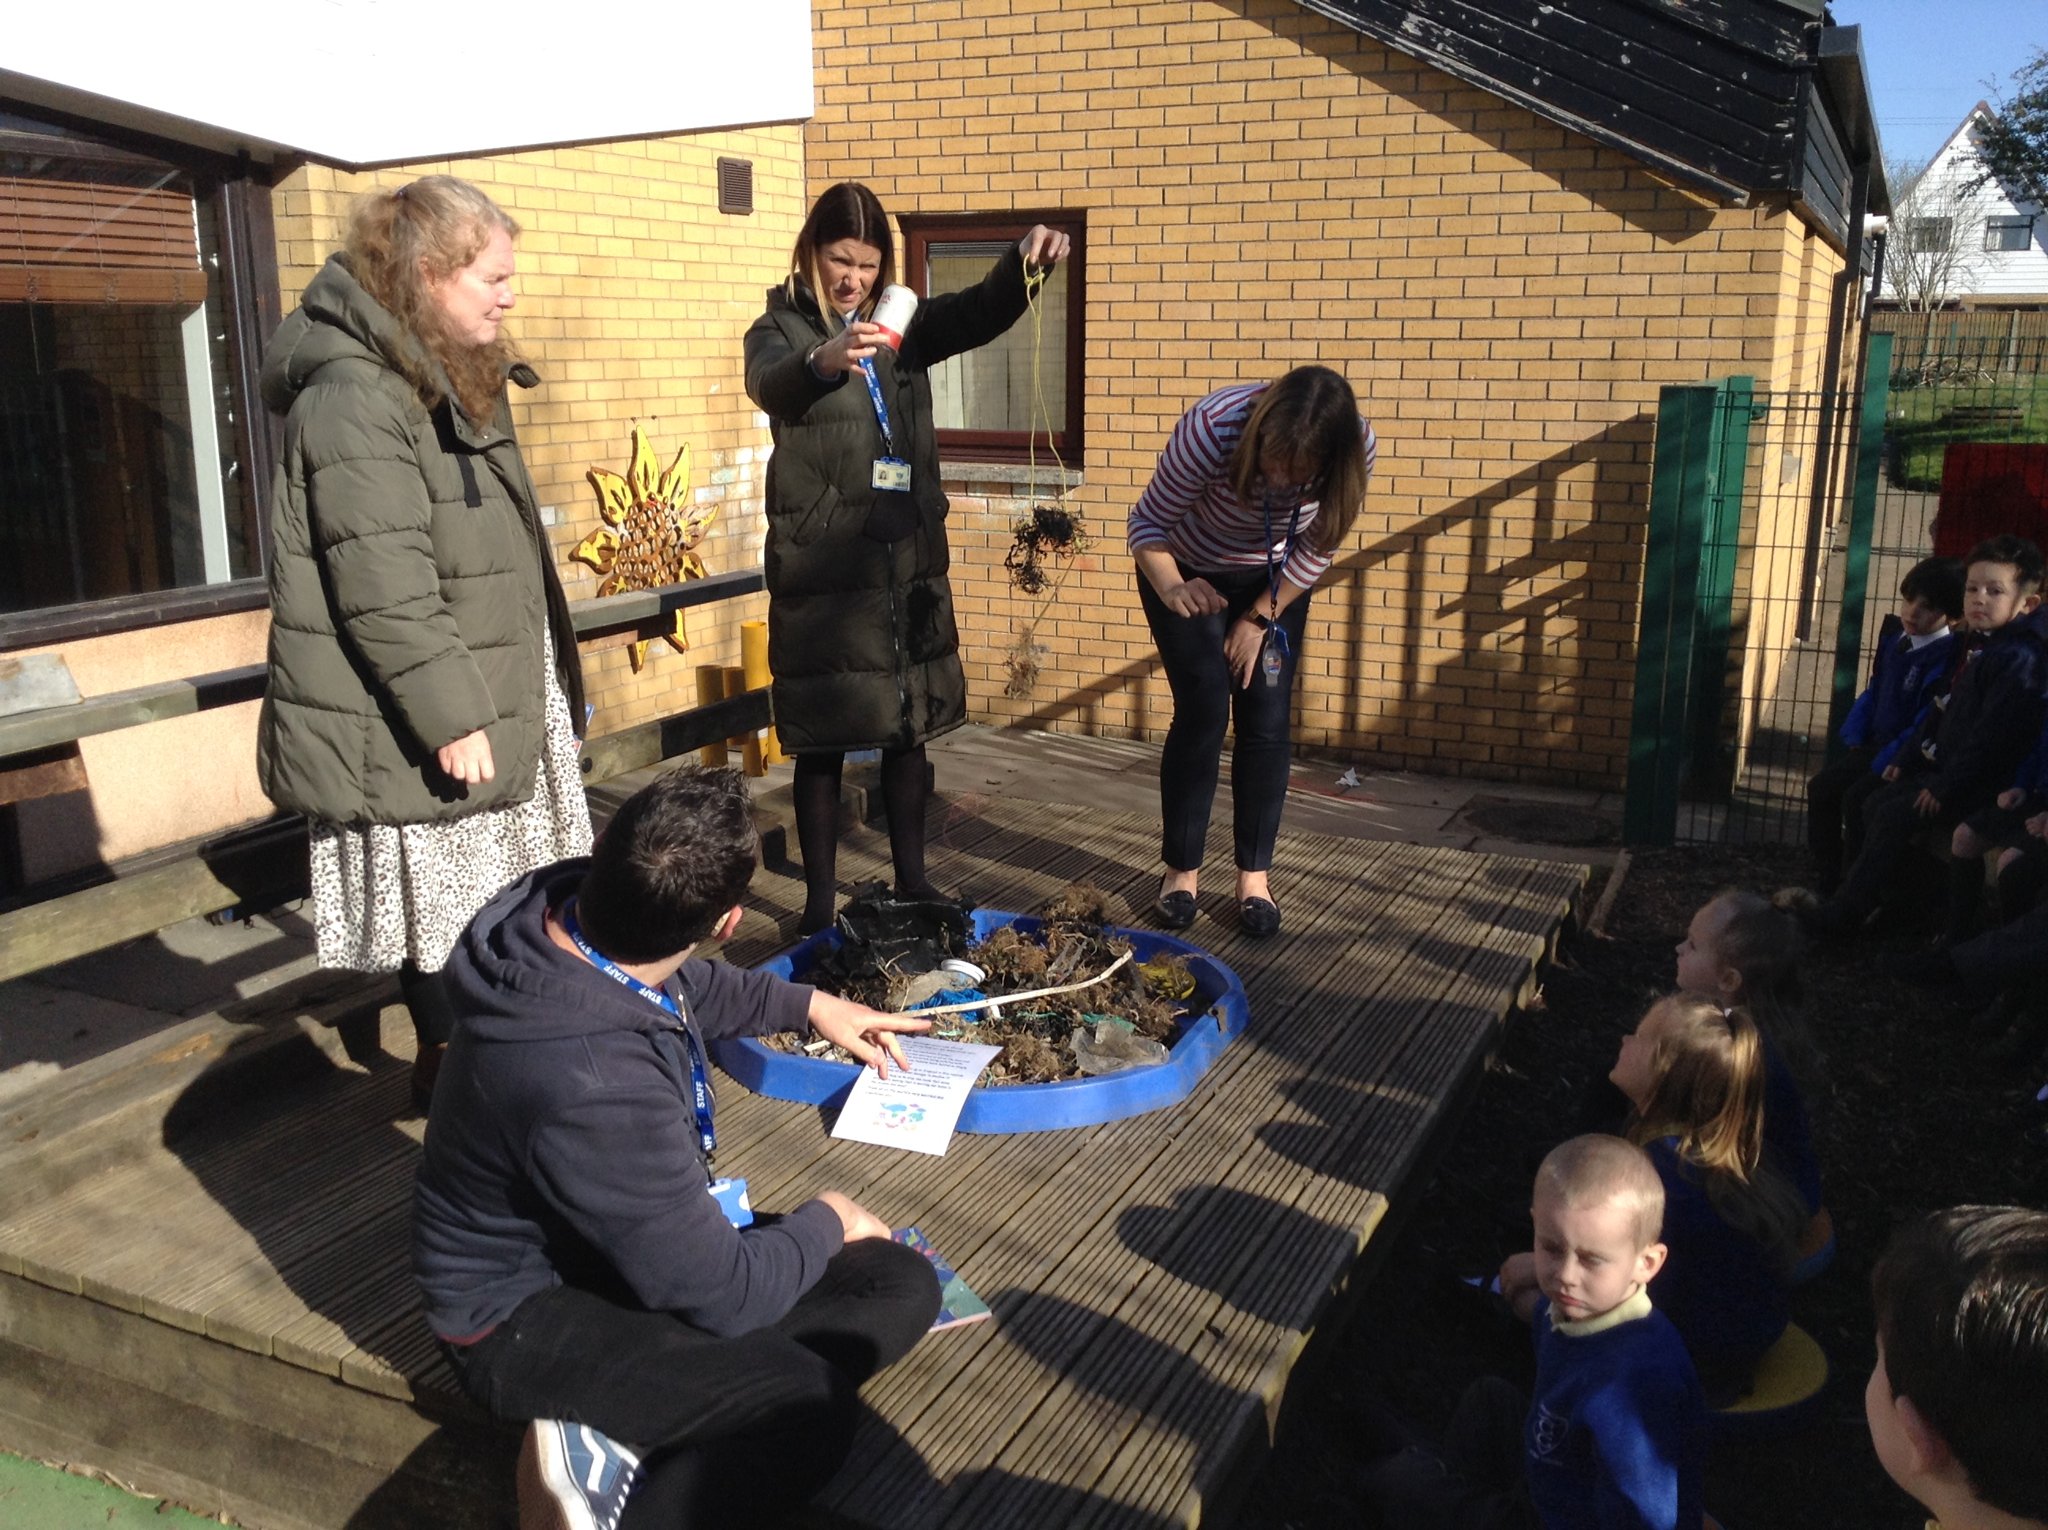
<point>424,694</point>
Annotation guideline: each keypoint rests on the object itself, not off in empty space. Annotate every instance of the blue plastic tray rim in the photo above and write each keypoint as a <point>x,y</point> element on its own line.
<point>998,1110</point>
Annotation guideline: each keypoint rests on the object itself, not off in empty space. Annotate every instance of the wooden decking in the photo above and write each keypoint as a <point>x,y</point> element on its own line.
<point>211,1298</point>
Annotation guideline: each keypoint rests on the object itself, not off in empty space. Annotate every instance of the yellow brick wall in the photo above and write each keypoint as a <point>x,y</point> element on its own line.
<point>1264,188</point>
<point>634,292</point>
<point>1786,453</point>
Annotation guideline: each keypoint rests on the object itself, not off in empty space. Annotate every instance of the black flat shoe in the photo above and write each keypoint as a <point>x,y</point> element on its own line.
<point>1259,917</point>
<point>1175,910</point>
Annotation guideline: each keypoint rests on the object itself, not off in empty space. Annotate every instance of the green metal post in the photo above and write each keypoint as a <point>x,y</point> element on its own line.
<point>1720,546</point>
<point>1877,374</point>
<point>1680,471</point>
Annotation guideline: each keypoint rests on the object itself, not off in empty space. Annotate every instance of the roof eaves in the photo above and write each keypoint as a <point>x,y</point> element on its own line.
<point>1677,169</point>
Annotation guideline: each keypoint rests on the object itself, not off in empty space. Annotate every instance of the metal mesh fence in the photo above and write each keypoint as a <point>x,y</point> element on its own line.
<point>1778,698</point>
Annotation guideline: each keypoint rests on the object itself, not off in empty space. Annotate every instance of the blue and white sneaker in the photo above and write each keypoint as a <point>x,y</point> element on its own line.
<point>572,1478</point>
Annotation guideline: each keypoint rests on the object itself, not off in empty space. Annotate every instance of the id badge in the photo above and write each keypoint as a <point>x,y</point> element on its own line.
<point>731,1195</point>
<point>890,473</point>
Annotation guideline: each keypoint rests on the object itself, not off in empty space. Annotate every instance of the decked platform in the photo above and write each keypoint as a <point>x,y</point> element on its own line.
<point>203,1281</point>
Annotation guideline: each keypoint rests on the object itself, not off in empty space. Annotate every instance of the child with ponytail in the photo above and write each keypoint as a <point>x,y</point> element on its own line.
<point>1694,1075</point>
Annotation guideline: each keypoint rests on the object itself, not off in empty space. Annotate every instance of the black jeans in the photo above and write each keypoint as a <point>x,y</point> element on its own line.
<point>1475,1482</point>
<point>730,1431</point>
<point>1205,700</point>
<point>1834,799</point>
<point>1890,825</point>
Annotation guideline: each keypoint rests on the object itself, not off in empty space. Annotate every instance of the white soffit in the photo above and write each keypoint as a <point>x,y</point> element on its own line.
<point>366,82</point>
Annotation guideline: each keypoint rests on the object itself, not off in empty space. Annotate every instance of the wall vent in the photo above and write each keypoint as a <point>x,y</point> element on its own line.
<point>735,185</point>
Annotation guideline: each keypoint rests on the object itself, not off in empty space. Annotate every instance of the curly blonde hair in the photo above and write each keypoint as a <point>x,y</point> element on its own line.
<point>398,243</point>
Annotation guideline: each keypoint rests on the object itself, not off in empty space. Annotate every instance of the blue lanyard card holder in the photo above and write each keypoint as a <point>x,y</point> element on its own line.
<point>731,1195</point>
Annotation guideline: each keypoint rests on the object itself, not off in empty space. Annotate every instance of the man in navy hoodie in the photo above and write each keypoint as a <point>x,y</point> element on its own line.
<point>576,1264</point>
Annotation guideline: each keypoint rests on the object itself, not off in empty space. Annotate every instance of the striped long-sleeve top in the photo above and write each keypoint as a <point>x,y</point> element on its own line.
<point>1190,508</point>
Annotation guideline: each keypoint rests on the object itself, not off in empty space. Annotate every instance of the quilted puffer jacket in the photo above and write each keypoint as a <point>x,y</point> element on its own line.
<point>861,636</point>
<point>410,580</point>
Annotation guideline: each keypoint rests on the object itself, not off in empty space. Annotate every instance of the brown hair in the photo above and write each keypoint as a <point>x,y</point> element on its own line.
<point>1708,1093</point>
<point>1309,413</point>
<point>1707,1068</point>
<point>1760,941</point>
<point>1962,1313</point>
<point>845,211</point>
<point>398,241</point>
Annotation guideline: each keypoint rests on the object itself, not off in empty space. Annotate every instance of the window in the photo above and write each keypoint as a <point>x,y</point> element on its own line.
<point>2008,233</point>
<point>1023,391</point>
<point>129,468</point>
<point>1926,236</point>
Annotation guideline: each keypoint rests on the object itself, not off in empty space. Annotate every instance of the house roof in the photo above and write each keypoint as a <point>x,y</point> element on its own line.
<point>1736,97</point>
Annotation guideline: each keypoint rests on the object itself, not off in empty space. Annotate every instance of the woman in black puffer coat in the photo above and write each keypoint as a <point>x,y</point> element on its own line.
<point>861,636</point>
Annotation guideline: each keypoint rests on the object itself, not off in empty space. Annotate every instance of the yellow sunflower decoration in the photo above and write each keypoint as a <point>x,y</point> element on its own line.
<point>650,533</point>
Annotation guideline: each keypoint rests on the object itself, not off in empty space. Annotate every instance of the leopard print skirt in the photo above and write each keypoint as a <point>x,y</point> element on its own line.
<point>385,894</point>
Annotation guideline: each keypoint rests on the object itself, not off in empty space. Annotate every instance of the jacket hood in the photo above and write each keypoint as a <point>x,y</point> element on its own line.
<point>511,982</point>
<point>335,319</point>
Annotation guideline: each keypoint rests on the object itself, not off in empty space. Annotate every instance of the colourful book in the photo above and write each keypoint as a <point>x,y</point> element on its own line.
<point>957,1302</point>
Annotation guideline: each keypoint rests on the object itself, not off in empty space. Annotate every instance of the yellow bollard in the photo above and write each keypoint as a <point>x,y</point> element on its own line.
<point>749,743</point>
<point>754,660</point>
<point>710,688</point>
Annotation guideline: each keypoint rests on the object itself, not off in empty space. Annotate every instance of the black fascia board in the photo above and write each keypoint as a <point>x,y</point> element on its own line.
<point>1731,149</point>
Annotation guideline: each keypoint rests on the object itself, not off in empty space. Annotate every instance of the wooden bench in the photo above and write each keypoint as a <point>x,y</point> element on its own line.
<point>224,1313</point>
<point>1979,416</point>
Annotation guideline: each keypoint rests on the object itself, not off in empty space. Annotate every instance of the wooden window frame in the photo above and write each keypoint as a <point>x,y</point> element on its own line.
<point>236,191</point>
<point>920,232</point>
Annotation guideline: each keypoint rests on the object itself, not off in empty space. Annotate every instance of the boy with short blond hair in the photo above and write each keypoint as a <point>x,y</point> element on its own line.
<point>1957,1398</point>
<point>1615,1436</point>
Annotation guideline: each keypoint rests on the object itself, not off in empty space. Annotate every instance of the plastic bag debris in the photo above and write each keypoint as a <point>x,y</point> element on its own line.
<point>1113,1046</point>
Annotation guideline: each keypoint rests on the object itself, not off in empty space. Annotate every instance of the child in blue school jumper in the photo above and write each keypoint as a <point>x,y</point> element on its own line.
<point>1614,1436</point>
<point>1694,1074</point>
<point>1740,948</point>
<point>1969,746</point>
<point>1907,667</point>
<point>2001,830</point>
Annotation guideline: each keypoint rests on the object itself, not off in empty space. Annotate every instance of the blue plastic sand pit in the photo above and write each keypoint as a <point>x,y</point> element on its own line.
<point>1216,1013</point>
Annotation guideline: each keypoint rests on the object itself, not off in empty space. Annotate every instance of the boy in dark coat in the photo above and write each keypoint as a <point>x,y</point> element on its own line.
<point>1970,745</point>
<point>1902,680</point>
<point>574,1260</point>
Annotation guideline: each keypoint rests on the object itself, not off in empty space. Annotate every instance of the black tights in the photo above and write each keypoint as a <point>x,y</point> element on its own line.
<point>815,791</point>
<point>433,1015</point>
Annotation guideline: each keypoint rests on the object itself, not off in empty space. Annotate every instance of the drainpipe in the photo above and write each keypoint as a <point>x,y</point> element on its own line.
<point>1831,379</point>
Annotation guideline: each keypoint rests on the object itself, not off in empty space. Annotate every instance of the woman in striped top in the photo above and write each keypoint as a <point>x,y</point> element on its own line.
<point>1256,490</point>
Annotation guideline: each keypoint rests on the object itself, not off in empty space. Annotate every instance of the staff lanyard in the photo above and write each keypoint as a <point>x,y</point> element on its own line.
<point>1277,634</point>
<point>700,1076</point>
<point>867,370</point>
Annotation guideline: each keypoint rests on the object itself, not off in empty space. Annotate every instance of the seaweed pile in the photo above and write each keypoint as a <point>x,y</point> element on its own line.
<point>890,955</point>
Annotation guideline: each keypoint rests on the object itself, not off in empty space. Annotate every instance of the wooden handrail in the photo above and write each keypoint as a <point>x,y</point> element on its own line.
<point>259,865</point>
<point>645,611</point>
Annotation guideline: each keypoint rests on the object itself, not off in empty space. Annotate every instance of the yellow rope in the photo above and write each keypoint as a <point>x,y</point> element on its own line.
<point>1034,284</point>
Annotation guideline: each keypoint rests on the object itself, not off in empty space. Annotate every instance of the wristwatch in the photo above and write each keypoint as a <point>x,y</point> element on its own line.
<point>1263,623</point>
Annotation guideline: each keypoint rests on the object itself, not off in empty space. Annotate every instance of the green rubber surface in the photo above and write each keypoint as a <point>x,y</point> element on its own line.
<point>38,1497</point>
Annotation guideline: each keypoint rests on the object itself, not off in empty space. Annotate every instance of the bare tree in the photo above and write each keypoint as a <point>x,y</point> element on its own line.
<point>1936,239</point>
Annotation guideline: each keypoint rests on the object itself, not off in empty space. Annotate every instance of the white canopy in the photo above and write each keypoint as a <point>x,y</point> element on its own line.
<point>367,82</point>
